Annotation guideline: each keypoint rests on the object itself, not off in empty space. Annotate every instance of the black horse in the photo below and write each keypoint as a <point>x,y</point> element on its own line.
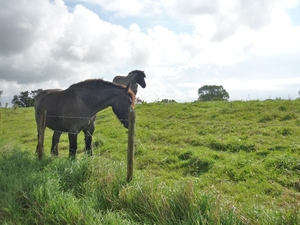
<point>135,77</point>
<point>74,109</point>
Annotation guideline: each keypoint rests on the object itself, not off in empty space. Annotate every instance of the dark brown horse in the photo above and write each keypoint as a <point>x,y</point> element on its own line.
<point>74,109</point>
<point>135,77</point>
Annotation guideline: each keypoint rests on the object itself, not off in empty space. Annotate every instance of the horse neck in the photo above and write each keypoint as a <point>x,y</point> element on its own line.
<point>101,98</point>
<point>132,77</point>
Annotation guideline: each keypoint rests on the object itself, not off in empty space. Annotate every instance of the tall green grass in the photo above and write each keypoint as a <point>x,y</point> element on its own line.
<point>90,191</point>
<point>195,163</point>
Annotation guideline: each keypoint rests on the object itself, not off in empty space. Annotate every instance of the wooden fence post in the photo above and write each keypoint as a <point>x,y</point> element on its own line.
<point>130,148</point>
<point>41,131</point>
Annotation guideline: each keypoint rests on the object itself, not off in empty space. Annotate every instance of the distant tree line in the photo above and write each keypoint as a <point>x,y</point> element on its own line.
<point>167,101</point>
<point>205,93</point>
<point>26,98</point>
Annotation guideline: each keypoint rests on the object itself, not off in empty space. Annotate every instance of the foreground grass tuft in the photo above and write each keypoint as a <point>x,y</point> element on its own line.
<point>89,191</point>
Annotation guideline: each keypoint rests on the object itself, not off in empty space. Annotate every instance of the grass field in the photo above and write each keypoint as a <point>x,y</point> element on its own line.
<point>195,163</point>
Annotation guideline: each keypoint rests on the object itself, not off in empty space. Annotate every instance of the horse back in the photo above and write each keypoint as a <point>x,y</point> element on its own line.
<point>39,99</point>
<point>119,80</point>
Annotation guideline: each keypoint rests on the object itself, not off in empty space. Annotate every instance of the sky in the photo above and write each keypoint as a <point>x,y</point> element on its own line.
<point>250,47</point>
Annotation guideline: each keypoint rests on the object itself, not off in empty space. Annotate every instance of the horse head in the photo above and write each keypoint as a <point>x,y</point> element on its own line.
<point>141,78</point>
<point>123,104</point>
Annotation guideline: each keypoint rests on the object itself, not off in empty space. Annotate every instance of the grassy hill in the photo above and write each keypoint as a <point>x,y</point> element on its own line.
<point>195,163</point>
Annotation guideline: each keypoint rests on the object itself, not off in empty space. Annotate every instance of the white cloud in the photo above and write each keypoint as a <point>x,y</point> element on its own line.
<point>118,7</point>
<point>277,37</point>
<point>25,24</point>
<point>87,38</point>
<point>194,7</point>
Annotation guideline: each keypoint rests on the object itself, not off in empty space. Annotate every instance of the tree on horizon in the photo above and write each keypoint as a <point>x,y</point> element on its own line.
<point>212,93</point>
<point>26,98</point>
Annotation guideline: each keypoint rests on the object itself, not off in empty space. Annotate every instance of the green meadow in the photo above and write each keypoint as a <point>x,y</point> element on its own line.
<point>195,163</point>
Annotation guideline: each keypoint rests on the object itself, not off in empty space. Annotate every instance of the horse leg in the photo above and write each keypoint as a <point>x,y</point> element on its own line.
<point>38,144</point>
<point>88,136</point>
<point>134,88</point>
<point>72,144</point>
<point>55,139</point>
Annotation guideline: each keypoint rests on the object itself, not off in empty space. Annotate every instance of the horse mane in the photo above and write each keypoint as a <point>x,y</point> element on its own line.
<point>140,73</point>
<point>93,82</point>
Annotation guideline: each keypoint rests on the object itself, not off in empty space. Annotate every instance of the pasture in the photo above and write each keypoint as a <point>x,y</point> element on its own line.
<point>195,163</point>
